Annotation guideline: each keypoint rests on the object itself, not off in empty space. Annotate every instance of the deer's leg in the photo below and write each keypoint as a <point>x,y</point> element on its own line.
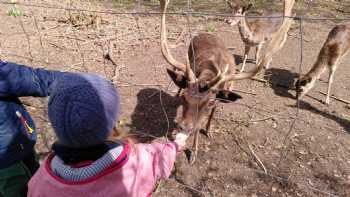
<point>257,53</point>
<point>246,52</point>
<point>207,128</point>
<point>194,147</point>
<point>330,81</point>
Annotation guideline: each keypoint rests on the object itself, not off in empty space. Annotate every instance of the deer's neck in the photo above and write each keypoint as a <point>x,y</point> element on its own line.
<point>243,28</point>
<point>319,67</point>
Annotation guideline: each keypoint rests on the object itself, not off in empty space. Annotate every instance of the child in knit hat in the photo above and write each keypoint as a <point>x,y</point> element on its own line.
<point>83,110</point>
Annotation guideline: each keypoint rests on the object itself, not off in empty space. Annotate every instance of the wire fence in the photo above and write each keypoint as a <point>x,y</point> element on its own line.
<point>104,43</point>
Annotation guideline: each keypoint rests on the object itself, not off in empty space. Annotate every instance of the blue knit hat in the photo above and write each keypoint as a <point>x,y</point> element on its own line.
<point>83,109</point>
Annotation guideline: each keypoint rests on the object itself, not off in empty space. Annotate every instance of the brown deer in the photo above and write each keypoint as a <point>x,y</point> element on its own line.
<point>205,80</point>
<point>333,51</point>
<point>255,32</point>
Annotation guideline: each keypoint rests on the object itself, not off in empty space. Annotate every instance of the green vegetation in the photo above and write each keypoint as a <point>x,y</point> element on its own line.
<point>14,11</point>
<point>210,28</point>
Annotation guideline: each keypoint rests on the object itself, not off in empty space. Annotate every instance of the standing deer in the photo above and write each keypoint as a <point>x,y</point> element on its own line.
<point>333,51</point>
<point>254,32</point>
<point>204,80</point>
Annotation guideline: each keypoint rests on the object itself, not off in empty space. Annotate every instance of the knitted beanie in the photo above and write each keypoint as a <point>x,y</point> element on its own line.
<point>83,109</point>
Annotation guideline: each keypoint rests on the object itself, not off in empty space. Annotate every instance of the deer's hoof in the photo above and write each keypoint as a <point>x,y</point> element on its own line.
<point>326,102</point>
<point>210,135</point>
<point>191,156</point>
<point>206,133</point>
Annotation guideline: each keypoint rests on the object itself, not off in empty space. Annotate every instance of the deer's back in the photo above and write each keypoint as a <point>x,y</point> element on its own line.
<point>207,50</point>
<point>336,45</point>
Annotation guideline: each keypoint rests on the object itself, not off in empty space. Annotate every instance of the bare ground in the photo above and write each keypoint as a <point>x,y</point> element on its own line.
<point>315,159</point>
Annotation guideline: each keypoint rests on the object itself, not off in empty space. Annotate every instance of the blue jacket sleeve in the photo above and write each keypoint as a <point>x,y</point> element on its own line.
<point>19,80</point>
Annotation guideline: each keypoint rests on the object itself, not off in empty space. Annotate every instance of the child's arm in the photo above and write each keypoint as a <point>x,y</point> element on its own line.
<point>165,155</point>
<point>19,80</point>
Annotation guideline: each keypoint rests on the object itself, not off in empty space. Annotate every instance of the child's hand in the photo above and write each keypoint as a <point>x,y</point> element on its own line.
<point>181,138</point>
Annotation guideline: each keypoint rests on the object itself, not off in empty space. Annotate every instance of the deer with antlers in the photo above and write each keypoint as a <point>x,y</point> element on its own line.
<point>254,32</point>
<point>204,81</point>
<point>333,51</point>
<point>207,78</point>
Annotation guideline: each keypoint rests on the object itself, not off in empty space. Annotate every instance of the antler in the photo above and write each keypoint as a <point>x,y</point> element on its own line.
<point>165,49</point>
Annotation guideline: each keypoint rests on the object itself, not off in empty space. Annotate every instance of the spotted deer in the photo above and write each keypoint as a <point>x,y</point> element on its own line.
<point>254,32</point>
<point>205,80</point>
<point>333,51</point>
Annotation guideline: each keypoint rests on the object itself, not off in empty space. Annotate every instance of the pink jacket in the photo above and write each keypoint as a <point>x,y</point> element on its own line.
<point>140,166</point>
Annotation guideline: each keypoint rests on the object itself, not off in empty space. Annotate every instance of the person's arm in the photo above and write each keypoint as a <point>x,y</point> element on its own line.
<point>20,80</point>
<point>164,155</point>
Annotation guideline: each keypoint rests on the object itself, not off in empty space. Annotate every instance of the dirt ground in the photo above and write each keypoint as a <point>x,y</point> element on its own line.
<point>313,160</point>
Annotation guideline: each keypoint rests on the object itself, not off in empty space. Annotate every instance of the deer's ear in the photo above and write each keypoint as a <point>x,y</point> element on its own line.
<point>303,82</point>
<point>246,8</point>
<point>227,96</point>
<point>230,4</point>
<point>179,79</point>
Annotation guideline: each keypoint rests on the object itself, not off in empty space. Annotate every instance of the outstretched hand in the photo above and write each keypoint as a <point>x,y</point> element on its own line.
<point>181,138</point>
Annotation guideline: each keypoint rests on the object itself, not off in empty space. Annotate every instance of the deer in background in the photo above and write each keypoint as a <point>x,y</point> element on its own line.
<point>205,80</point>
<point>333,51</point>
<point>254,32</point>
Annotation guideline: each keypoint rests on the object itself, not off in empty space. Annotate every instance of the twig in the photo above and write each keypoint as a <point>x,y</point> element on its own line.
<point>259,80</point>
<point>72,66</point>
<point>66,36</point>
<point>40,38</point>
<point>108,57</point>
<point>337,98</point>
<point>76,37</point>
<point>262,119</point>
<point>295,36</point>
<point>27,37</point>
<point>257,159</point>
<point>241,91</point>
<point>252,154</point>
<point>104,39</point>
<point>188,186</point>
<point>16,55</point>
<point>266,81</point>
<point>134,84</point>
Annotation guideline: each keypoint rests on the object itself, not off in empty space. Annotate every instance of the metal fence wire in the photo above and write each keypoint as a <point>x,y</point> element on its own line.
<point>105,49</point>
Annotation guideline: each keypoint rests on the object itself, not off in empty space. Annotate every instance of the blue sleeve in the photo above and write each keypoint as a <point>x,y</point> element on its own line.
<point>19,80</point>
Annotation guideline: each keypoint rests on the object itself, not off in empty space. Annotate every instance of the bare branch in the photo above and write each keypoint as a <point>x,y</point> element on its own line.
<point>27,37</point>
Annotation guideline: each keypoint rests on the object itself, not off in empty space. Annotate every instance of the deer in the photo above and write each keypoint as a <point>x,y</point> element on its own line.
<point>334,49</point>
<point>207,76</point>
<point>253,32</point>
<point>205,80</point>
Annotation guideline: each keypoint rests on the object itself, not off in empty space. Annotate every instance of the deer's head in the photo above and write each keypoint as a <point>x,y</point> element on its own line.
<point>238,10</point>
<point>303,85</point>
<point>199,97</point>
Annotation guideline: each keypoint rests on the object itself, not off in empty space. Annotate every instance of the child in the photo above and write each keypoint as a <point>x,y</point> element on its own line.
<point>83,110</point>
<point>17,131</point>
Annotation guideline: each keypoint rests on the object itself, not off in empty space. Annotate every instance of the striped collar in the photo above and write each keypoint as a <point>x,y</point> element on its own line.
<point>87,171</point>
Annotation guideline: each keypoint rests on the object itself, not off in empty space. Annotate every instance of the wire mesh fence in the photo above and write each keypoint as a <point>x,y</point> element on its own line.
<point>122,45</point>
